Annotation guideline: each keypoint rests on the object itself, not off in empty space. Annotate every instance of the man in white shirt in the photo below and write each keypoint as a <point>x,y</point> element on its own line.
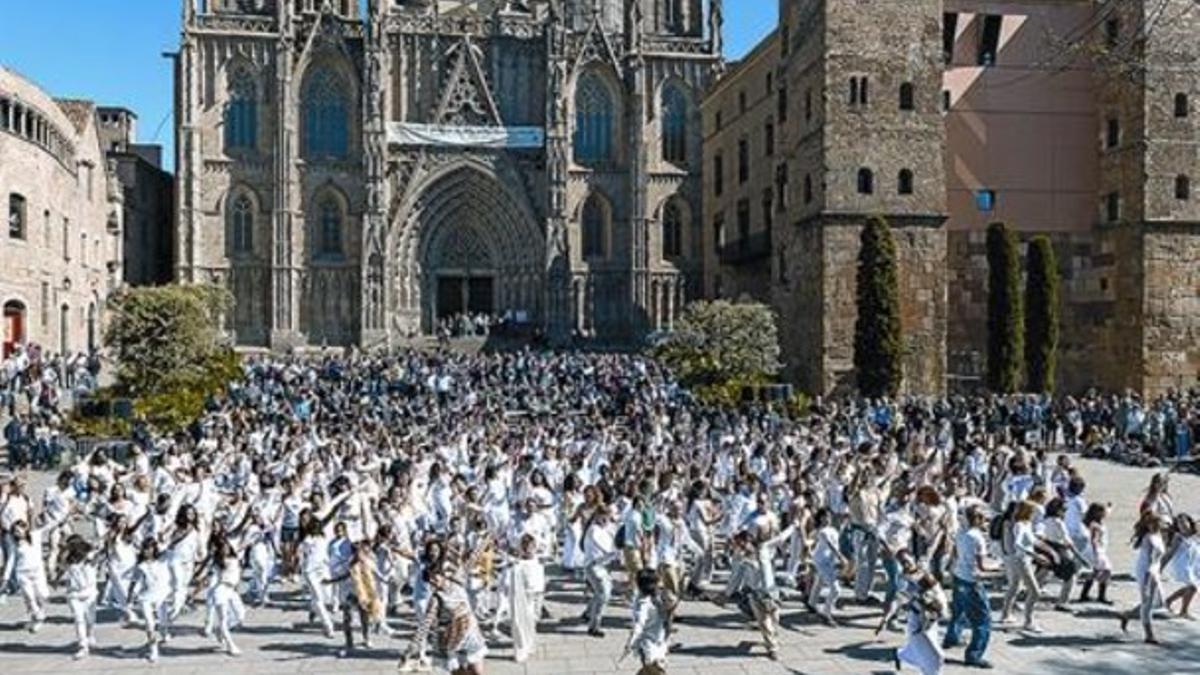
<point>971,602</point>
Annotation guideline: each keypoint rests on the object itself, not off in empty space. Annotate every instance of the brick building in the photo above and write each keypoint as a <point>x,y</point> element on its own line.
<point>1071,118</point>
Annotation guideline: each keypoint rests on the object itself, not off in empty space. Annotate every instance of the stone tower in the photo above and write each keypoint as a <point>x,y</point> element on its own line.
<point>1148,70</point>
<point>860,123</point>
<point>355,177</point>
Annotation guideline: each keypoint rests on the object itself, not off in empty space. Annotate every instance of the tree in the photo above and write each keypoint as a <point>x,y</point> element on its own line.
<point>165,335</point>
<point>718,347</point>
<point>1005,318</point>
<point>170,355</point>
<point>1041,315</point>
<point>878,345</point>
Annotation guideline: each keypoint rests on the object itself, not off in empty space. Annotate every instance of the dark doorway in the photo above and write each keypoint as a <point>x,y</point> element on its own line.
<point>459,294</point>
<point>450,300</point>
<point>480,299</point>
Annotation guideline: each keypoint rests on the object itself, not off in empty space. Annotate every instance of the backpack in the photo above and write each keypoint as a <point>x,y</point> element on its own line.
<point>619,540</point>
<point>996,527</point>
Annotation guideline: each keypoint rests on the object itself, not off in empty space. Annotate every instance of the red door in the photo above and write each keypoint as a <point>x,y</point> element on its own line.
<point>14,327</point>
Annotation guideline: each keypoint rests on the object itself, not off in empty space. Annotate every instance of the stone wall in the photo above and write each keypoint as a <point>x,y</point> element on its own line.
<point>1171,318</point>
<point>1107,281</point>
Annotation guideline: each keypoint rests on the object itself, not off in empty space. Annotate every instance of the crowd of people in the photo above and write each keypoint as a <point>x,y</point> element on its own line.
<point>33,386</point>
<point>450,491</point>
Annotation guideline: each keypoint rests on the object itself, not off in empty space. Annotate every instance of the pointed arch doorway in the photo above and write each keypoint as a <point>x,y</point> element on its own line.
<point>469,243</point>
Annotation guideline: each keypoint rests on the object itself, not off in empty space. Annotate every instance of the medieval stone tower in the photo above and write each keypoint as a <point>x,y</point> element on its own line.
<point>354,177</point>
<point>859,102</point>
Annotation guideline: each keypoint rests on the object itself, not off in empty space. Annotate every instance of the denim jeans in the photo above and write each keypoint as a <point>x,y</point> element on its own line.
<point>971,606</point>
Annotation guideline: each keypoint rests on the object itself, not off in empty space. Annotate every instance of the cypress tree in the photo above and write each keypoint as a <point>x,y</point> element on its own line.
<point>877,342</point>
<point>1006,332</point>
<point>1041,315</point>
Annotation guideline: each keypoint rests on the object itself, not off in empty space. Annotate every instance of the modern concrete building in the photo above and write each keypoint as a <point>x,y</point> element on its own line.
<point>61,254</point>
<point>355,177</point>
<point>1069,118</point>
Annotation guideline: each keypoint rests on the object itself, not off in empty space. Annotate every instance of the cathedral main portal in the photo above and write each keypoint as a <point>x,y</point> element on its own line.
<point>471,246</point>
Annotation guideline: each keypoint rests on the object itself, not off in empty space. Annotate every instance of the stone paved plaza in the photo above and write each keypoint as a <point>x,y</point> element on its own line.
<point>714,640</point>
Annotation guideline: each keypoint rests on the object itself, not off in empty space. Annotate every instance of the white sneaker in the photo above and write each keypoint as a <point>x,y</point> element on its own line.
<point>153,655</point>
<point>35,626</point>
<point>1033,628</point>
<point>81,654</point>
<point>233,650</point>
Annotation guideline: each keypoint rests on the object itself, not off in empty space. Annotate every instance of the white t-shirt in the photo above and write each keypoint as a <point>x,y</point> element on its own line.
<point>970,545</point>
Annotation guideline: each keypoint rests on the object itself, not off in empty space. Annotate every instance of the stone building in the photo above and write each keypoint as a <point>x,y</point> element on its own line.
<point>860,136</point>
<point>1074,119</point>
<point>61,255</point>
<point>354,178</point>
<point>147,199</point>
<point>740,169</point>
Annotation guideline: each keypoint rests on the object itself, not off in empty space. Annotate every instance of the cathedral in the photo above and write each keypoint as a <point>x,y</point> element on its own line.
<point>357,174</point>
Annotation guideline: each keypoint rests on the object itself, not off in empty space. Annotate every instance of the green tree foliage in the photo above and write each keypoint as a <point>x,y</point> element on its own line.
<point>169,353</point>
<point>878,345</point>
<point>165,336</point>
<point>1006,320</point>
<point>719,347</point>
<point>1041,315</point>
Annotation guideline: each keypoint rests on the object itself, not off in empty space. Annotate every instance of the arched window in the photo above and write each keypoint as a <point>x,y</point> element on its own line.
<point>904,182</point>
<point>906,96</point>
<point>1182,109</point>
<point>593,121</point>
<point>241,113</point>
<point>329,228</point>
<point>326,116</point>
<point>672,233</point>
<point>674,119</point>
<point>241,225</point>
<point>866,182</point>
<point>1183,187</point>
<point>595,228</point>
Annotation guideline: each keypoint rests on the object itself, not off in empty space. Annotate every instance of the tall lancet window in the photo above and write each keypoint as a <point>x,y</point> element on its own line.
<point>593,121</point>
<point>674,120</point>
<point>241,112</point>
<point>326,117</point>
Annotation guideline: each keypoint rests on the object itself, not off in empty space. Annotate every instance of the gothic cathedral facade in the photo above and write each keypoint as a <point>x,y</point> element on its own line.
<point>353,175</point>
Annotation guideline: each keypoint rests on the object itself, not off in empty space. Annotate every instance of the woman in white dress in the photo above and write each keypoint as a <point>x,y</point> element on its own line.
<point>1148,541</point>
<point>151,585</point>
<point>526,590</point>
<point>224,596</point>
<point>1096,554</point>
<point>1184,565</point>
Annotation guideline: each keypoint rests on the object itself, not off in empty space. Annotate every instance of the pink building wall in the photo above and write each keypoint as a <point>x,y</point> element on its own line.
<point>1025,127</point>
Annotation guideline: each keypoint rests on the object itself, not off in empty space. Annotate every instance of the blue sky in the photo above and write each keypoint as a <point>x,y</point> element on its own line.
<point>110,51</point>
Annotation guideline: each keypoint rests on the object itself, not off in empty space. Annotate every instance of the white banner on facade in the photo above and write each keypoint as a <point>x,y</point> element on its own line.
<point>407,133</point>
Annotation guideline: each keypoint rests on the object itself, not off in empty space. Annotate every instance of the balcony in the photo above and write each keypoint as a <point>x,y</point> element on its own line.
<point>746,250</point>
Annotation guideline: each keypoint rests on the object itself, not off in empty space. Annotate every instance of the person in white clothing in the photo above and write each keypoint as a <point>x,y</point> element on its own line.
<point>599,550</point>
<point>80,571</point>
<point>526,590</point>
<point>1148,540</point>
<point>648,632</point>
